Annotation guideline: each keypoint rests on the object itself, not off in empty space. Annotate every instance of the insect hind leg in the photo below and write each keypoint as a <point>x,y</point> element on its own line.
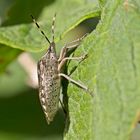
<point>76,83</point>
<point>64,110</point>
<point>73,81</point>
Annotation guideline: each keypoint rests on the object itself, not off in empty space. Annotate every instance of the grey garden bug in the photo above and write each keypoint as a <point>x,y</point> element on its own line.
<point>49,74</point>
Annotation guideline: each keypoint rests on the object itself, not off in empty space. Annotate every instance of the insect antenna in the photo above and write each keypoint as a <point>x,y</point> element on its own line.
<point>53,22</point>
<point>40,29</point>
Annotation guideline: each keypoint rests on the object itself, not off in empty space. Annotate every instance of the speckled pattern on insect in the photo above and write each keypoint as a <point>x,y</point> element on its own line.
<point>49,75</point>
<point>49,82</point>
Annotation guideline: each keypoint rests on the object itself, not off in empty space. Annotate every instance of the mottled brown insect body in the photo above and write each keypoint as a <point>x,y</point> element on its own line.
<point>49,83</point>
<point>49,73</point>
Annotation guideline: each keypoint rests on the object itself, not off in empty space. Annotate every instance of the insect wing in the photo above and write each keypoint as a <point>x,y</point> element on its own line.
<point>49,86</point>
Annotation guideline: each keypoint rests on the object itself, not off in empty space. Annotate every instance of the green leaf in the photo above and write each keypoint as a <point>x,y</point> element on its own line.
<point>6,56</point>
<point>68,20</point>
<point>23,37</point>
<point>26,36</point>
<point>112,72</point>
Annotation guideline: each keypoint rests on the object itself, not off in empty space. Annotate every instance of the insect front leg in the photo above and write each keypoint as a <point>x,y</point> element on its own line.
<point>63,61</point>
<point>71,45</point>
<point>64,51</point>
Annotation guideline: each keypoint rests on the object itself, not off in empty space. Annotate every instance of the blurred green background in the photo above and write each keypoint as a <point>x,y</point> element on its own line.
<point>21,116</point>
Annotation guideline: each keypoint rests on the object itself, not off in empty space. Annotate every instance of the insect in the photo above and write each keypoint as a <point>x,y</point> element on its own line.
<point>50,72</point>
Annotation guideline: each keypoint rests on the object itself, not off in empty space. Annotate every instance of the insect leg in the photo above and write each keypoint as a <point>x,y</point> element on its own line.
<point>70,45</point>
<point>63,61</point>
<point>77,40</point>
<point>64,51</point>
<point>62,106</point>
<point>73,81</point>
